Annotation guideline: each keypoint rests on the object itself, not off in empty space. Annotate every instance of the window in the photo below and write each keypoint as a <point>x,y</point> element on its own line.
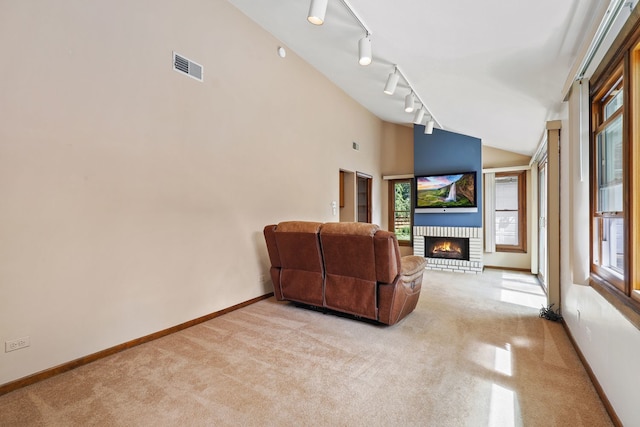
<point>510,212</point>
<point>400,216</point>
<point>608,225</point>
<point>615,174</point>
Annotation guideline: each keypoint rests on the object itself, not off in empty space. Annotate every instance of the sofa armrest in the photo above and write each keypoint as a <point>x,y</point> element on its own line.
<point>401,297</point>
<point>272,247</point>
<point>411,267</point>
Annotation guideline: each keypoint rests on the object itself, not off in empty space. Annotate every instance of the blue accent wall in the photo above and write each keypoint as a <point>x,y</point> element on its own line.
<point>445,152</point>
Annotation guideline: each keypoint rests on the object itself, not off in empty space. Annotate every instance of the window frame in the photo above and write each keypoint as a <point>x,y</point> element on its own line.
<point>615,80</point>
<point>392,208</point>
<point>521,247</point>
<point>623,59</point>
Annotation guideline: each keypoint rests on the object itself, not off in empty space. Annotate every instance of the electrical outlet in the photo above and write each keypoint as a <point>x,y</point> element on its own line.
<point>16,344</point>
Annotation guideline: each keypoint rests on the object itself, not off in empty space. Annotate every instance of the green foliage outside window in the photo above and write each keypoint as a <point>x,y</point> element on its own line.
<point>402,211</point>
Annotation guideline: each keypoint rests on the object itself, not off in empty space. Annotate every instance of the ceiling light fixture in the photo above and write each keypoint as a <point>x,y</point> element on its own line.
<point>364,50</point>
<point>428,128</point>
<point>411,98</point>
<point>409,102</point>
<point>392,82</point>
<point>417,119</point>
<point>317,11</point>
<point>364,44</point>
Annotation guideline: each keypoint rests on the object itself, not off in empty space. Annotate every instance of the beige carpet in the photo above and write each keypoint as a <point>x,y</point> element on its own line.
<point>473,353</point>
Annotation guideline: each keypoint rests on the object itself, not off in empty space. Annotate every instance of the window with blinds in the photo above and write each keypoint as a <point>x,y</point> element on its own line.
<point>510,212</point>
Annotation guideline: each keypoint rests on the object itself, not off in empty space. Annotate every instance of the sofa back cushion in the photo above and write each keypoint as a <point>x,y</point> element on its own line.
<point>302,271</point>
<point>388,263</point>
<point>349,257</point>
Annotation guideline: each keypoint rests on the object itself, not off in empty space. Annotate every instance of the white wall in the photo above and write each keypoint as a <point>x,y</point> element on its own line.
<point>608,341</point>
<point>134,197</point>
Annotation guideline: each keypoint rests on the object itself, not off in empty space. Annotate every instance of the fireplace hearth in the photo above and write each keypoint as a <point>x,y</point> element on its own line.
<point>447,247</point>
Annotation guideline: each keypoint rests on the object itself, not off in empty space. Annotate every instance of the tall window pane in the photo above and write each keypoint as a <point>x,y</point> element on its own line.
<point>400,214</point>
<point>609,163</point>
<point>506,195</point>
<point>402,202</point>
<point>608,247</point>
<point>609,229</point>
<point>613,105</point>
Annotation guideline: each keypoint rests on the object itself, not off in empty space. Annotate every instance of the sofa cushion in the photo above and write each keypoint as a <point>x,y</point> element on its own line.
<point>349,258</point>
<point>299,227</point>
<point>302,275</point>
<point>351,295</point>
<point>349,228</point>
<point>349,255</point>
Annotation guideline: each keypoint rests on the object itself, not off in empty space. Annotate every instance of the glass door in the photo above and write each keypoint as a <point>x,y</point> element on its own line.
<point>542,224</point>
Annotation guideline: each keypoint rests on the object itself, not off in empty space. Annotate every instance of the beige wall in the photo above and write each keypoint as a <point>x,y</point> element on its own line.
<point>134,197</point>
<point>397,151</point>
<point>396,159</point>
<point>497,158</point>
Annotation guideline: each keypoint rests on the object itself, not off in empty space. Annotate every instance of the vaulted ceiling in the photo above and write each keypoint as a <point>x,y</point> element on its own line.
<point>492,69</point>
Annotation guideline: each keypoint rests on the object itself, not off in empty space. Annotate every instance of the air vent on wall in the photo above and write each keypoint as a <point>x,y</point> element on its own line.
<point>184,65</point>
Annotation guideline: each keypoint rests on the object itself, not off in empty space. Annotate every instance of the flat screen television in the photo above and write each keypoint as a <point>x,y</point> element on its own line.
<point>442,193</point>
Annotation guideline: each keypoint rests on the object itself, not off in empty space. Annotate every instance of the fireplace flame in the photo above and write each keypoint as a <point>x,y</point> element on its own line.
<point>447,247</point>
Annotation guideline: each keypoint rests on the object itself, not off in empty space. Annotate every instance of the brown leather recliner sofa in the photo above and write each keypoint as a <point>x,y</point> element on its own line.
<point>353,268</point>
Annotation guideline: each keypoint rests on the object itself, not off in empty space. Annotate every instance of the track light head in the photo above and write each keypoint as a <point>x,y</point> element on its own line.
<point>417,119</point>
<point>364,50</point>
<point>392,82</point>
<point>409,103</point>
<point>428,128</point>
<point>317,11</point>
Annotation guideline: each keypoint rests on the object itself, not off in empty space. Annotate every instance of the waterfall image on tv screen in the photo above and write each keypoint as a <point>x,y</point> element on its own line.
<point>446,191</point>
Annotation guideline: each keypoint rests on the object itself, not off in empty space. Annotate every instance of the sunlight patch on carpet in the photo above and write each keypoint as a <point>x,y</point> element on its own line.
<point>524,299</point>
<point>503,359</point>
<point>503,407</point>
<point>494,358</point>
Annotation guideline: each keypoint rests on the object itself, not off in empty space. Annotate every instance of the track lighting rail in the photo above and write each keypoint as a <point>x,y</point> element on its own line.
<point>404,77</point>
<point>356,17</point>
<point>317,11</point>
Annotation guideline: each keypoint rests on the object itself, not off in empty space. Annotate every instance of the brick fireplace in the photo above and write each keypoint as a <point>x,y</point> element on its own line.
<point>457,249</point>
